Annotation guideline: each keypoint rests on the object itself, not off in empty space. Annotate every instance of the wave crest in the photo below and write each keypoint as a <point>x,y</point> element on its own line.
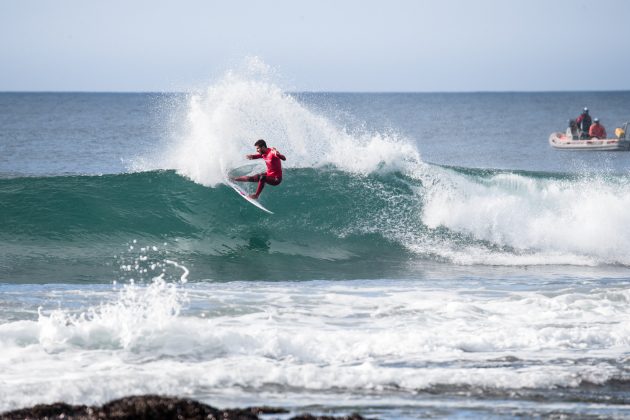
<point>220,123</point>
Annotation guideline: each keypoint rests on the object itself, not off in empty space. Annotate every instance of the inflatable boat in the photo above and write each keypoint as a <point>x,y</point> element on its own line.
<point>567,142</point>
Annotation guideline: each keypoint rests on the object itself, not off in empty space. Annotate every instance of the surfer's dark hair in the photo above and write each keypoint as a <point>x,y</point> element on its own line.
<point>260,143</point>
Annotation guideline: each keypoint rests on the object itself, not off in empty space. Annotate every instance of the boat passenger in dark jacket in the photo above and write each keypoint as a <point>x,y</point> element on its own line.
<point>584,123</point>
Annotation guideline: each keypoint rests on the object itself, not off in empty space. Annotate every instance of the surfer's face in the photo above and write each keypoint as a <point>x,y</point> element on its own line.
<point>261,149</point>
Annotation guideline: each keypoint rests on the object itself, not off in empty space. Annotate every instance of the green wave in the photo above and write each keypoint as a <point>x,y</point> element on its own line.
<point>326,223</point>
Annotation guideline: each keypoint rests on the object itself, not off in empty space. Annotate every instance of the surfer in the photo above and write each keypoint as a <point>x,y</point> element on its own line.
<point>273,176</point>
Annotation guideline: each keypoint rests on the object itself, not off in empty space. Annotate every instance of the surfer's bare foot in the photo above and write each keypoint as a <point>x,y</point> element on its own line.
<point>253,196</point>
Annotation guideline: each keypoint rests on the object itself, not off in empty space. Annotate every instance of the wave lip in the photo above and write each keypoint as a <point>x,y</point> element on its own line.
<point>221,123</point>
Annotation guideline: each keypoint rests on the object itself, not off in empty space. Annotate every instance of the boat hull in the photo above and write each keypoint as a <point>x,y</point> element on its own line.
<point>561,141</point>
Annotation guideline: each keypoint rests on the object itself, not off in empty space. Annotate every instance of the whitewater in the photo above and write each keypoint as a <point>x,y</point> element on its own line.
<point>417,264</point>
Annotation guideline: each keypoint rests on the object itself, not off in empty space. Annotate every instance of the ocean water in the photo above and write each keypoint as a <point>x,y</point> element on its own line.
<point>430,255</point>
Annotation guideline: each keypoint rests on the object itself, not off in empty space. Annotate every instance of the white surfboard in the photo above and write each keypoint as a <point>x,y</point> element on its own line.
<point>244,195</point>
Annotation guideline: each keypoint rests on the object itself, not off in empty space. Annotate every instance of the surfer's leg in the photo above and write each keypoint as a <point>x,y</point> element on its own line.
<point>262,178</point>
<point>246,178</point>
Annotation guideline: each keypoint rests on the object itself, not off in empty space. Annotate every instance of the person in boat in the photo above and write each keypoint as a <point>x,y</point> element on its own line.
<point>572,130</point>
<point>272,158</point>
<point>597,130</point>
<point>583,122</point>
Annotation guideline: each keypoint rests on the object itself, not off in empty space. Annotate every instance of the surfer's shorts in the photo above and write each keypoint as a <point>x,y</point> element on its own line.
<point>271,180</point>
<point>263,179</point>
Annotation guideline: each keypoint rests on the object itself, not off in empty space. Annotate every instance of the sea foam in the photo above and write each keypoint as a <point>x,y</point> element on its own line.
<point>306,338</point>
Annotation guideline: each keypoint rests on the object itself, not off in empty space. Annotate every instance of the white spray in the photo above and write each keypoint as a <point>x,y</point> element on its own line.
<point>223,121</point>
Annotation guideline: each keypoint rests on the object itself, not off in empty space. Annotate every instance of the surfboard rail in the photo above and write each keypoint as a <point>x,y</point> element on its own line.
<point>243,194</point>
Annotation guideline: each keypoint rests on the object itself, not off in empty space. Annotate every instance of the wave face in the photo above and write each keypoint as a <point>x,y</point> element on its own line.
<point>322,218</point>
<point>327,222</point>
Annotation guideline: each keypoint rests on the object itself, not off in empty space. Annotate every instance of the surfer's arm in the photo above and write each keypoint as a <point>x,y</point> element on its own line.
<point>254,156</point>
<point>280,155</point>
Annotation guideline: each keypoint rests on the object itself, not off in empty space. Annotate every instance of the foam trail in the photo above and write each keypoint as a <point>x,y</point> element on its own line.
<point>184,278</point>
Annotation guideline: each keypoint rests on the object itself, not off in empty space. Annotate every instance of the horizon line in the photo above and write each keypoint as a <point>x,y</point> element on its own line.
<point>321,91</point>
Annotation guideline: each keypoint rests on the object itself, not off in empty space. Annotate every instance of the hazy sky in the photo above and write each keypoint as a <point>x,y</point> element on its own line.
<point>319,45</point>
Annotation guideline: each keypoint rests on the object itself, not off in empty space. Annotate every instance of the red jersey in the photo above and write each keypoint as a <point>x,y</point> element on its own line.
<point>274,166</point>
<point>597,130</point>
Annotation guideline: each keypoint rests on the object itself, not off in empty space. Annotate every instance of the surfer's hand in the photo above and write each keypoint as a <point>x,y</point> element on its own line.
<point>249,157</point>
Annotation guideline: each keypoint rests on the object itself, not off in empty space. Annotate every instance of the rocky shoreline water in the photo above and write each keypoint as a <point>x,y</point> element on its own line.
<point>147,407</point>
